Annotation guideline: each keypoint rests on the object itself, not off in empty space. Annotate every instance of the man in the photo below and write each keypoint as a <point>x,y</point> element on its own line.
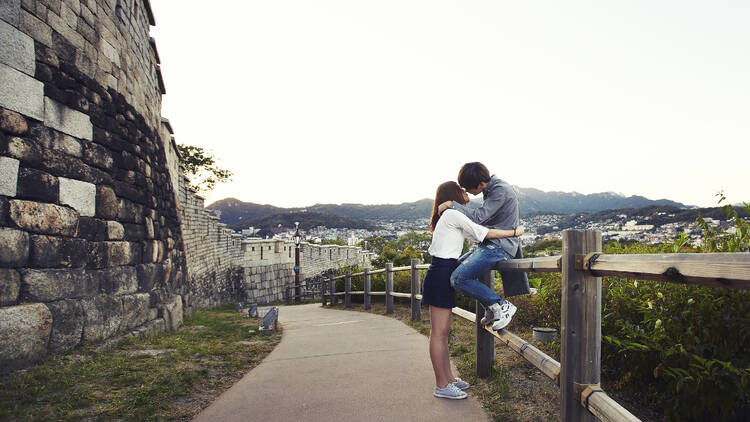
<point>499,211</point>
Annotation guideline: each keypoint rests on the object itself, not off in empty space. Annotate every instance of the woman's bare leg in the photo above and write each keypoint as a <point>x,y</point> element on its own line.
<point>440,323</point>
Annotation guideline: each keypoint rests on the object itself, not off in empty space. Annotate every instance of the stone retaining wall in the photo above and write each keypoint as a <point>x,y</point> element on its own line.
<point>212,253</point>
<point>91,242</point>
<point>222,268</point>
<point>100,235</point>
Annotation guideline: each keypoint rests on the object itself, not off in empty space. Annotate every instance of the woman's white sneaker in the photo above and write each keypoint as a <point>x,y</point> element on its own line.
<point>450,392</point>
<point>463,385</point>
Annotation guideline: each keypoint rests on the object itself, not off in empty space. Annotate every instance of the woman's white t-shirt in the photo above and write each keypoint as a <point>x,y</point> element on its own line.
<point>449,234</point>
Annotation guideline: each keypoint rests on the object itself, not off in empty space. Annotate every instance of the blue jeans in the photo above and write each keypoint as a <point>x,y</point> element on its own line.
<point>473,265</point>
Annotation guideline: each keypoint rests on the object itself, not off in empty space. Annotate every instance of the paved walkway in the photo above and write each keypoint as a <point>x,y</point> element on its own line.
<point>334,365</point>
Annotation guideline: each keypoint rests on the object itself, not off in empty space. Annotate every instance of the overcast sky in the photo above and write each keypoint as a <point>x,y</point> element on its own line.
<point>380,101</point>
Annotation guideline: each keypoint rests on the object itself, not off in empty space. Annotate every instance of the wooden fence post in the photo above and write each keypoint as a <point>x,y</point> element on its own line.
<point>416,311</point>
<point>388,287</point>
<point>485,348</point>
<point>323,292</point>
<point>581,324</point>
<point>332,290</point>
<point>348,290</point>
<point>368,298</point>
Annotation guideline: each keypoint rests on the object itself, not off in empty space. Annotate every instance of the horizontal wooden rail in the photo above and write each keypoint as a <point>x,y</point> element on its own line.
<point>380,271</point>
<point>419,297</point>
<point>358,292</point>
<point>377,293</point>
<point>397,294</point>
<point>544,264</point>
<point>406,268</point>
<point>423,266</point>
<point>727,270</point>
<point>597,402</point>
<point>606,408</point>
<point>536,357</point>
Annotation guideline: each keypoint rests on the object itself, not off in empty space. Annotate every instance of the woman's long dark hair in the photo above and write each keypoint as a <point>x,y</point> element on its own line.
<point>448,191</point>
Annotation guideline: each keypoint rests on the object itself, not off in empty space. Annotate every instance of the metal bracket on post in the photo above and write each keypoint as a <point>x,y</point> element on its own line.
<point>584,262</point>
<point>584,391</point>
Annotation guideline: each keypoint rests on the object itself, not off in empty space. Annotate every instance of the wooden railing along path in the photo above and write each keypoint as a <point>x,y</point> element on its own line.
<point>582,265</point>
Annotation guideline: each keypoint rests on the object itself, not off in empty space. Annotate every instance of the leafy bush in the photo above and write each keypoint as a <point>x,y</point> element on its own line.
<point>683,348</point>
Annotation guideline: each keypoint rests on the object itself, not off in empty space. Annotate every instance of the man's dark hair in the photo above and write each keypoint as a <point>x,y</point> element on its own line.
<point>472,174</point>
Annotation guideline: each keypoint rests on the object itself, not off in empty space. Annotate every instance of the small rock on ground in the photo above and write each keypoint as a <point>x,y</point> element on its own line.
<point>149,352</point>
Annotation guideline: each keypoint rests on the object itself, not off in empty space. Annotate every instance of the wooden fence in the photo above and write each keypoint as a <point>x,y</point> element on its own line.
<point>582,265</point>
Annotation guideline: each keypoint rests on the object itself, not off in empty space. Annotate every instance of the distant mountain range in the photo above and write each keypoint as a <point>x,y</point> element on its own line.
<point>535,201</point>
<point>238,214</point>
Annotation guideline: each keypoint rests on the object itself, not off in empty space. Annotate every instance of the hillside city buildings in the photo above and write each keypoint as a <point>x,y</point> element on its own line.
<point>540,227</point>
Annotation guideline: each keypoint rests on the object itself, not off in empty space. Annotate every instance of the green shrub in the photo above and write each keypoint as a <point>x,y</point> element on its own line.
<point>683,348</point>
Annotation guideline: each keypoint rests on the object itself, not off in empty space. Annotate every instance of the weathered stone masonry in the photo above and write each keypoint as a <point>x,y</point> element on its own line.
<point>222,268</point>
<point>99,234</point>
<point>89,232</point>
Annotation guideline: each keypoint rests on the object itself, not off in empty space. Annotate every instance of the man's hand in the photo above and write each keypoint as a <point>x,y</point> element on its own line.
<point>518,231</point>
<point>444,206</point>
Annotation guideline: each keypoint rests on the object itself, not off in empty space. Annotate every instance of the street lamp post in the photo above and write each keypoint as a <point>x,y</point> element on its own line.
<point>297,287</point>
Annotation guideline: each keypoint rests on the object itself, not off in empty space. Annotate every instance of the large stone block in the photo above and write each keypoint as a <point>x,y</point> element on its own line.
<point>15,247</point>
<point>10,10</point>
<point>67,120</point>
<point>21,92</point>
<point>51,251</point>
<point>118,253</point>
<point>81,196</point>
<point>115,230</point>
<point>8,176</point>
<point>46,251</point>
<point>36,28</point>
<point>18,49</point>
<point>102,317</point>
<point>93,229</point>
<point>25,151</point>
<point>44,218</point>
<point>118,280</point>
<point>51,285</point>
<point>97,155</point>
<point>67,325</point>
<point>58,141</point>
<point>107,204</point>
<point>37,185</point>
<point>172,312</point>
<point>10,286</point>
<point>150,275</point>
<point>24,334</point>
<point>135,310</point>
<point>13,123</point>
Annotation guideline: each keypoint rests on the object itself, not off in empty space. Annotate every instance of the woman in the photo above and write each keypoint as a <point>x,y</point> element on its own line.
<point>448,233</point>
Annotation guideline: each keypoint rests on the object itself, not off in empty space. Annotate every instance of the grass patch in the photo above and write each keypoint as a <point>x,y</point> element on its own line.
<point>171,376</point>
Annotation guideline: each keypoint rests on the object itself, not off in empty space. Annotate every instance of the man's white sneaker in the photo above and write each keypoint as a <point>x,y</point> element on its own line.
<point>503,317</point>
<point>450,392</point>
<point>489,317</point>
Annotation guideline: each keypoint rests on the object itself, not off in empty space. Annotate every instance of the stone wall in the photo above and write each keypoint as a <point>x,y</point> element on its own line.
<point>222,268</point>
<point>91,242</point>
<point>212,254</point>
<point>100,236</point>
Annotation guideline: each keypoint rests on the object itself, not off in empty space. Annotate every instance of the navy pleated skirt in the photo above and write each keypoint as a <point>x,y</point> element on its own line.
<point>437,289</point>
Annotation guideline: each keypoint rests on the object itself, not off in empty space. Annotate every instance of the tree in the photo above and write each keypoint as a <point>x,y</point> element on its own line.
<point>200,167</point>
